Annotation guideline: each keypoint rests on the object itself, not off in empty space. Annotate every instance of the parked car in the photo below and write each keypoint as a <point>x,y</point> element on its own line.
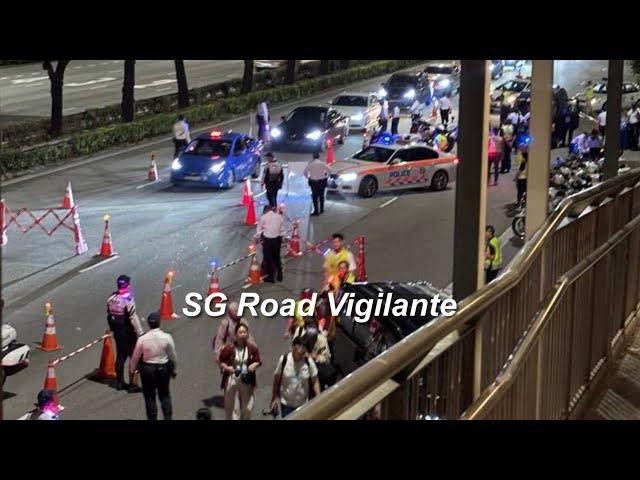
<point>630,96</point>
<point>361,108</point>
<point>444,78</point>
<point>402,89</point>
<point>310,127</point>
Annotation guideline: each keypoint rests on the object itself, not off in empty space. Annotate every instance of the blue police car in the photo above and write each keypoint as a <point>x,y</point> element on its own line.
<point>217,159</point>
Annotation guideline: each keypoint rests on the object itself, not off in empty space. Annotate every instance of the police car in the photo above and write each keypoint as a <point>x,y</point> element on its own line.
<point>217,159</point>
<point>14,356</point>
<point>392,167</point>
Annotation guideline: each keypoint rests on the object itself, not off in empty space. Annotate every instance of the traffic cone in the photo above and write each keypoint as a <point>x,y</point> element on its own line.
<point>107,368</point>
<point>329,152</point>
<point>255,274</point>
<point>166,305</point>
<point>50,339</point>
<point>4,234</point>
<point>250,218</point>
<point>214,285</point>
<point>361,271</point>
<point>50,381</point>
<point>152,176</point>
<point>246,193</point>
<point>106,250</point>
<point>67,201</point>
<point>81,244</point>
<point>294,243</point>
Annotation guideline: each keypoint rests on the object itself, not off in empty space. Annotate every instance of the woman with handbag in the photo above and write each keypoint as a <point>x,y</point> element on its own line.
<point>239,362</point>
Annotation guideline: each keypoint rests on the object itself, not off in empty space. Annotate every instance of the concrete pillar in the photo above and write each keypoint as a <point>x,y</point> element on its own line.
<point>540,148</point>
<point>614,112</point>
<point>471,180</point>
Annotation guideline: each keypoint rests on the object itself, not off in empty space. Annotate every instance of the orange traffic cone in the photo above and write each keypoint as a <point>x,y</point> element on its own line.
<point>246,193</point>
<point>107,368</point>
<point>50,381</point>
<point>166,305</point>
<point>294,243</point>
<point>214,285</point>
<point>152,175</point>
<point>50,339</point>
<point>361,271</point>
<point>255,274</point>
<point>250,218</point>
<point>329,152</point>
<point>67,201</point>
<point>106,250</point>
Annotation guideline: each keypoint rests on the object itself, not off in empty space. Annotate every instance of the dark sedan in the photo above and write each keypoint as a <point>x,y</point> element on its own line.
<point>402,89</point>
<point>310,127</point>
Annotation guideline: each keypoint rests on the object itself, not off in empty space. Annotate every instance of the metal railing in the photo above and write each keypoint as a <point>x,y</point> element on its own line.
<point>529,345</point>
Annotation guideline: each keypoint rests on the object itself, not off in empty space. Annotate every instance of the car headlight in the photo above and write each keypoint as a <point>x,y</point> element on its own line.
<point>410,94</point>
<point>357,117</point>
<point>217,167</point>
<point>445,83</point>
<point>348,177</point>
<point>276,132</point>
<point>314,135</point>
<point>176,165</point>
<point>382,93</point>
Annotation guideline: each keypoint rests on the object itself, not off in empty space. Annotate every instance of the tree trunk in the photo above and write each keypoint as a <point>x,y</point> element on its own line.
<point>56,77</point>
<point>183,89</point>
<point>344,64</point>
<point>324,67</point>
<point>247,77</point>
<point>128,100</point>
<point>290,72</point>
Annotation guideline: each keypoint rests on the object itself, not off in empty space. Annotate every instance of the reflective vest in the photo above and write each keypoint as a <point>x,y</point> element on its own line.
<point>496,263</point>
<point>298,315</point>
<point>333,260</point>
<point>521,171</point>
<point>336,282</point>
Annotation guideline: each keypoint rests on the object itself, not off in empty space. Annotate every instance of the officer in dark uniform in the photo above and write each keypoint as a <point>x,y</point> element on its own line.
<point>273,179</point>
<point>125,325</point>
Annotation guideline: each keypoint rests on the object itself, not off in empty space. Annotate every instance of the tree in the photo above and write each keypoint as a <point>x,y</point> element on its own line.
<point>324,67</point>
<point>56,77</point>
<point>344,64</point>
<point>183,89</point>
<point>128,100</point>
<point>290,72</point>
<point>247,77</point>
<point>635,66</point>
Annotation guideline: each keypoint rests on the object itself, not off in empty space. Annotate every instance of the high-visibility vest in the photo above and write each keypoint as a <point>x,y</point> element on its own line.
<point>333,260</point>
<point>496,263</point>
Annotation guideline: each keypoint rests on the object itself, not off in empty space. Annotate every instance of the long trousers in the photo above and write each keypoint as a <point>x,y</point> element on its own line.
<point>272,261</point>
<point>125,343</point>
<point>155,380</point>
<point>317,194</point>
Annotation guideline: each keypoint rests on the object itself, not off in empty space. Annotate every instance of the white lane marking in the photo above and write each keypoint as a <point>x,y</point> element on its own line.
<point>29,80</point>
<point>19,76</point>
<point>283,107</point>
<point>163,89</point>
<point>260,194</point>
<point>91,65</point>
<point>115,62</point>
<point>104,63</point>
<point>90,82</point>
<point>147,184</point>
<point>114,71</point>
<point>246,286</point>
<point>388,202</point>
<point>78,68</point>
<point>34,73</point>
<point>98,87</point>
<point>107,260</point>
<point>4,78</point>
<point>155,83</point>
<point>69,109</point>
<point>39,84</point>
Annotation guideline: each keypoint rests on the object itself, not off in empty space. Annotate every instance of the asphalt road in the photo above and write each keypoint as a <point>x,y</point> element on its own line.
<point>25,89</point>
<point>154,228</point>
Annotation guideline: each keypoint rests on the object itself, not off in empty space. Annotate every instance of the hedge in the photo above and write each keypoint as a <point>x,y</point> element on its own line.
<point>88,143</point>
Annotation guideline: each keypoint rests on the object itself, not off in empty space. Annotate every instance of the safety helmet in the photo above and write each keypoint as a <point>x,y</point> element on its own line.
<point>123,281</point>
<point>44,397</point>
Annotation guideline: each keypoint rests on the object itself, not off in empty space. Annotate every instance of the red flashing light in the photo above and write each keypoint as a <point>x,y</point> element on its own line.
<point>216,133</point>
<point>456,161</point>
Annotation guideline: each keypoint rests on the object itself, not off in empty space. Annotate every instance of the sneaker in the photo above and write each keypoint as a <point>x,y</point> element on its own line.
<point>121,386</point>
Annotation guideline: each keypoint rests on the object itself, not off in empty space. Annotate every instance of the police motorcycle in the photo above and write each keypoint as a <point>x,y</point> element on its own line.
<point>14,355</point>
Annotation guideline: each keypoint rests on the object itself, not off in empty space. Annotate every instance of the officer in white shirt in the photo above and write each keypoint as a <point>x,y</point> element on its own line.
<point>515,118</point>
<point>634,126</point>
<point>445,109</point>
<point>395,120</point>
<point>383,119</point>
<point>270,231</point>
<point>602,122</point>
<point>156,354</point>
<point>317,172</point>
<point>181,135</point>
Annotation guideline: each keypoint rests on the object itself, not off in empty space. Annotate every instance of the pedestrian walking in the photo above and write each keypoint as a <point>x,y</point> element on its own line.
<point>156,354</point>
<point>492,255</point>
<point>299,313</point>
<point>318,348</point>
<point>495,154</point>
<point>395,120</point>
<point>270,232</point>
<point>317,173</point>
<point>226,333</point>
<point>262,118</point>
<point>634,126</point>
<point>239,362</point>
<point>383,118</point>
<point>444,104</point>
<point>124,323</point>
<point>507,142</point>
<point>295,376</point>
<point>273,179</point>
<point>181,135</point>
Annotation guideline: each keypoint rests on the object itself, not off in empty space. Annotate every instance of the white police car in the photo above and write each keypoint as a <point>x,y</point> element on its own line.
<point>14,356</point>
<point>392,167</point>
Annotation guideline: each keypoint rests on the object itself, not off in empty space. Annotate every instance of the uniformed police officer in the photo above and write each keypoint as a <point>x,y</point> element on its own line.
<point>155,351</point>
<point>273,179</point>
<point>125,325</point>
<point>492,255</point>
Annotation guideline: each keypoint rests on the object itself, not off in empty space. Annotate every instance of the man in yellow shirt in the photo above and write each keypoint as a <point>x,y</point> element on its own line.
<point>337,255</point>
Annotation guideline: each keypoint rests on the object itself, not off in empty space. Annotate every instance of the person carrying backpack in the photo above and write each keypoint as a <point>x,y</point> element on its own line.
<point>295,376</point>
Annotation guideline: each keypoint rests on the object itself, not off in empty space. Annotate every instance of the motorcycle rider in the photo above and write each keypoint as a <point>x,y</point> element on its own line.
<point>125,325</point>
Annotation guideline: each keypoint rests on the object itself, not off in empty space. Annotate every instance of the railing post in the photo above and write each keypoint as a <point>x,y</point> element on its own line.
<point>614,108</point>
